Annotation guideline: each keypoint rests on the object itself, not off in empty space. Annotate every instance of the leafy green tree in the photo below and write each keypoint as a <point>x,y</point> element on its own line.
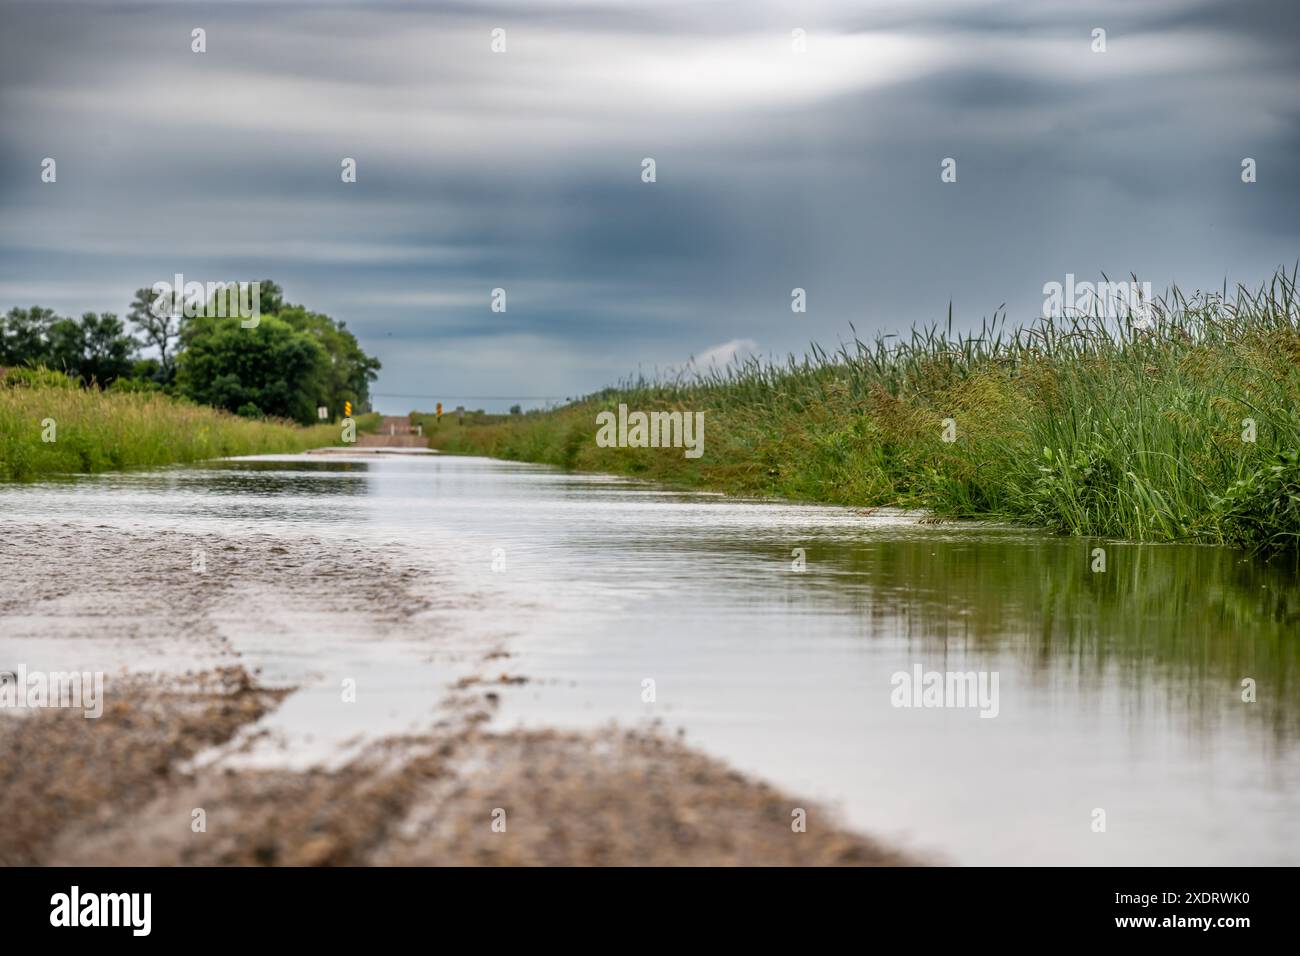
<point>158,324</point>
<point>23,335</point>
<point>94,348</point>
<point>271,297</point>
<point>292,361</point>
<point>108,351</point>
<point>272,369</point>
<point>104,350</point>
<point>350,370</point>
<point>65,344</point>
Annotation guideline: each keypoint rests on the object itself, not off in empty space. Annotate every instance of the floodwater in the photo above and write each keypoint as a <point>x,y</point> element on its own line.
<point>772,635</point>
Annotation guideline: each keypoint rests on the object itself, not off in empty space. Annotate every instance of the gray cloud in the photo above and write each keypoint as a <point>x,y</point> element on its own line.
<point>522,170</point>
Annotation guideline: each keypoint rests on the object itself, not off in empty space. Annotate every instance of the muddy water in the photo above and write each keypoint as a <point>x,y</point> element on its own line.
<point>1117,691</point>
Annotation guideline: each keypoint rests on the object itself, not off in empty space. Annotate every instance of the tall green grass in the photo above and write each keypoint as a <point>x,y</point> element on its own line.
<point>98,431</point>
<point>1118,427</point>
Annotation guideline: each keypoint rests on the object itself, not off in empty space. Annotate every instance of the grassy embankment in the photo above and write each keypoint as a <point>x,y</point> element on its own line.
<point>1083,425</point>
<point>100,431</point>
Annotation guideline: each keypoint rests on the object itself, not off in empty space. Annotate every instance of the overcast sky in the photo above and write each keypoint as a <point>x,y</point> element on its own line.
<point>523,169</point>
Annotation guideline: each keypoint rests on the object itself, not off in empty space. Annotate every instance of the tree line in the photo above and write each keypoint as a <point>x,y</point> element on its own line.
<point>289,363</point>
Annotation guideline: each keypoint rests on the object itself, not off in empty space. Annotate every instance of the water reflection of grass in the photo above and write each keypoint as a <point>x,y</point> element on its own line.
<point>1181,425</point>
<point>1185,621</point>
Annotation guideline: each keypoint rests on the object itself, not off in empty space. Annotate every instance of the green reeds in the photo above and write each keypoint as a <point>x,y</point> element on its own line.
<point>48,429</point>
<point>1177,422</point>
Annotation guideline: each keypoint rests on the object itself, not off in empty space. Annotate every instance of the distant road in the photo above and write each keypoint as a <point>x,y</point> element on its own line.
<point>394,432</point>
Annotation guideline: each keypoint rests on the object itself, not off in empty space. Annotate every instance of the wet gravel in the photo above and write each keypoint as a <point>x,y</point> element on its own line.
<point>157,779</point>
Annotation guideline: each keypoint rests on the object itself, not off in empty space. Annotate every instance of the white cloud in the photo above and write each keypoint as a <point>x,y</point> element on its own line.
<point>720,356</point>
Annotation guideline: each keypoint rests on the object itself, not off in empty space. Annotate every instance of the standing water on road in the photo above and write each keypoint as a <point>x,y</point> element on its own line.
<point>774,635</point>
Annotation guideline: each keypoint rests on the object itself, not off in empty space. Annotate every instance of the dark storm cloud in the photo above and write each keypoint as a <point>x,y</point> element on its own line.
<point>522,170</point>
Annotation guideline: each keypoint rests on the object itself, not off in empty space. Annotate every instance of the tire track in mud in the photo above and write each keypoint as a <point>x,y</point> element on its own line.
<point>190,724</point>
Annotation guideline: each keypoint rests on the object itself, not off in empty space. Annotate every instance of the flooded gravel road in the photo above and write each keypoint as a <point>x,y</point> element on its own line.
<point>498,616</point>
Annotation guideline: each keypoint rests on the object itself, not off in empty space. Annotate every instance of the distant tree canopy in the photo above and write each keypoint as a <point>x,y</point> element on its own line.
<point>158,328</point>
<point>95,348</point>
<point>347,371</point>
<point>268,370</point>
<point>288,363</point>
